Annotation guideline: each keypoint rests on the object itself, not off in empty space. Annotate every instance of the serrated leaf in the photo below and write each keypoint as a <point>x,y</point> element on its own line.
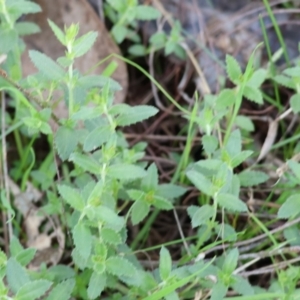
<point>71,196</point>
<point>96,285</point>
<point>79,261</point>
<point>86,162</point>
<point>26,256</point>
<point>257,78</point>
<point>292,72</point>
<point>58,32</point>
<point>162,203</point>
<point>218,291</point>
<point>285,81</point>
<point>239,158</point>
<point>231,203</point>
<point>33,290</point>
<point>97,138</point>
<point>233,69</point>
<point>170,191</point>
<point>26,28</point>
<point>226,98</point>
<point>82,239</point>
<point>295,167</point>
<point>136,194</point>
<point>295,103</point>
<point>290,208</point>
<point>201,215</point>
<point>230,262</point>
<point>62,290</point>
<point>22,7</point>
<point>125,172</point>
<point>139,211</point>
<point>49,68</point>
<point>227,232</point>
<point>110,218</point>
<point>84,43</point>
<point>165,263</point>
<point>86,113</point>
<point>61,272</point>
<point>150,181</point>
<point>210,164</point>
<point>201,182</point>
<point>110,236</point>
<point>145,12</point>
<point>234,143</point>
<point>244,123</point>
<point>66,140</point>
<point>90,81</point>
<point>253,94</point>
<point>119,266</point>
<point>136,114</point>
<point>9,39</point>
<point>252,178</point>
<point>210,143</point>
<point>16,275</point>
<point>242,286</point>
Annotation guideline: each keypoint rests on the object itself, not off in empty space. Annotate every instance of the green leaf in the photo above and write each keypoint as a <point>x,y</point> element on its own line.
<point>26,256</point>
<point>83,240</point>
<point>201,182</point>
<point>58,32</point>
<point>162,203</point>
<point>253,94</point>
<point>46,65</point>
<point>137,50</point>
<point>110,236</point>
<point>86,162</point>
<point>97,137</point>
<point>26,28</point>
<point>295,103</point>
<point>84,43</point>
<point>62,290</point>
<point>170,191</point>
<point>139,211</point>
<point>252,178</point>
<point>292,72</point>
<point>285,81</point>
<point>119,33</point>
<point>210,143</point>
<point>233,69</point>
<point>33,290</point>
<point>124,171</point>
<point>295,167</point>
<point>226,98</point>
<point>230,262</point>
<point>210,164</point>
<point>120,266</point>
<point>19,8</point>
<point>145,12</point>
<point>165,263</point>
<point>244,123</point>
<point>242,286</point>
<point>90,81</point>
<point>227,232</point>
<point>219,291</point>
<point>201,215</point>
<point>150,181</point>
<point>15,246</point>
<point>66,140</point>
<point>231,203</point>
<point>16,275</point>
<point>239,158</point>
<point>110,218</point>
<point>71,196</point>
<point>257,78</point>
<point>234,143</point>
<point>96,285</point>
<point>290,208</point>
<point>136,114</point>
<point>9,39</point>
